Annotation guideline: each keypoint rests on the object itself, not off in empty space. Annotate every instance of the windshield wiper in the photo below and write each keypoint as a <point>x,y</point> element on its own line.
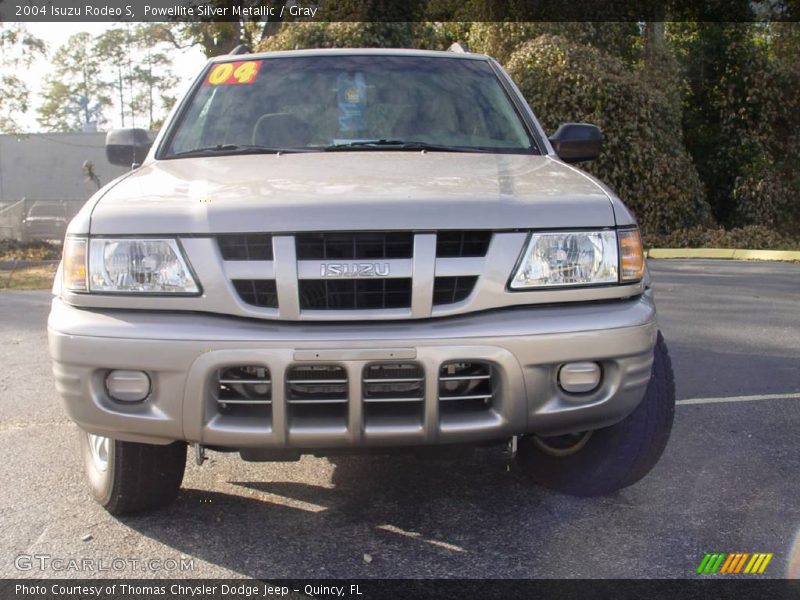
<point>384,144</point>
<point>233,149</point>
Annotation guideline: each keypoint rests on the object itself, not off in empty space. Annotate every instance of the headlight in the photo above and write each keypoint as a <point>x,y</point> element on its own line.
<point>568,258</point>
<point>148,266</point>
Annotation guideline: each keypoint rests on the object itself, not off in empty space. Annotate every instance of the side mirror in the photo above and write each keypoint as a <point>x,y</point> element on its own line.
<point>576,142</point>
<point>127,147</point>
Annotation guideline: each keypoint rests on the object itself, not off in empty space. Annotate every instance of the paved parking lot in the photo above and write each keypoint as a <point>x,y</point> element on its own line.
<point>729,480</point>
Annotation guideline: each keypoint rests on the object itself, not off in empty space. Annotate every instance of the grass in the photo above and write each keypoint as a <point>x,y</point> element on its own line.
<point>28,278</point>
<point>38,277</point>
<point>14,250</point>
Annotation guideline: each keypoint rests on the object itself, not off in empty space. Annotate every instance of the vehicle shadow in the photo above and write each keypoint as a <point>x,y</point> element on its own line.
<point>381,516</point>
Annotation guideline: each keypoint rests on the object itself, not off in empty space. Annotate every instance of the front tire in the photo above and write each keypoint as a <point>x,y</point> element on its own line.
<point>126,477</point>
<point>603,461</point>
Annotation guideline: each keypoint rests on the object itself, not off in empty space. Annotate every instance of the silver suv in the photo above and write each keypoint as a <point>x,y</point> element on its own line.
<point>357,250</point>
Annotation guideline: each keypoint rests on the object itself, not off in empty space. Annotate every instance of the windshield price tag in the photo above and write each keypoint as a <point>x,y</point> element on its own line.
<point>234,73</point>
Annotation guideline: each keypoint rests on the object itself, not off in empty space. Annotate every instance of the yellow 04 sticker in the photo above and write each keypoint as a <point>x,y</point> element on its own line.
<point>234,73</point>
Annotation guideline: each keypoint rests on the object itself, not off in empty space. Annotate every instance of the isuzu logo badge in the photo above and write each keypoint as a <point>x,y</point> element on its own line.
<point>354,270</point>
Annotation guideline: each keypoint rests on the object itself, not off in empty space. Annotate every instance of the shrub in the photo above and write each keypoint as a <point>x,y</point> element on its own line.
<point>295,36</point>
<point>643,157</point>
<point>501,40</point>
<point>752,237</point>
<point>767,188</point>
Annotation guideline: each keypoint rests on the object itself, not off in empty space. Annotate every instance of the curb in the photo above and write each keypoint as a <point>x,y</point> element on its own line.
<point>724,253</point>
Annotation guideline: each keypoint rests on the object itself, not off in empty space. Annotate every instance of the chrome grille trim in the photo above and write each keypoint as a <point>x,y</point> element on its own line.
<point>424,272</point>
<point>283,247</point>
<point>312,385</point>
<point>466,383</point>
<point>467,397</point>
<point>306,287</point>
<point>377,388</point>
<point>242,386</point>
<point>393,395</point>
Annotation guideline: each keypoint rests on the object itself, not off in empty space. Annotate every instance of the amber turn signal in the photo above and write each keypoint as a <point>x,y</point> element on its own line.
<point>74,266</point>
<point>631,255</point>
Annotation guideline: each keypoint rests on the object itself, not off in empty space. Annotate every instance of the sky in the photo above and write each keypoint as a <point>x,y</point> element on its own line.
<point>187,63</point>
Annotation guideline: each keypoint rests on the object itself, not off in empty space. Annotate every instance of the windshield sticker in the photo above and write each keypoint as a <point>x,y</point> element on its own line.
<point>352,100</point>
<point>234,73</point>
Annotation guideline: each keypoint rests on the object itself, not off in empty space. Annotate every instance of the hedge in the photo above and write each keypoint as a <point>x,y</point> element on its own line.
<point>643,157</point>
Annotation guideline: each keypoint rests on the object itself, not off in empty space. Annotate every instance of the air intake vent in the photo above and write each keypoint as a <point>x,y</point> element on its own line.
<point>353,294</point>
<point>318,384</point>
<point>393,383</point>
<point>465,387</point>
<point>258,292</point>
<point>393,394</point>
<point>245,246</point>
<point>243,390</point>
<point>449,290</point>
<point>354,246</point>
<point>317,396</point>
<point>456,244</point>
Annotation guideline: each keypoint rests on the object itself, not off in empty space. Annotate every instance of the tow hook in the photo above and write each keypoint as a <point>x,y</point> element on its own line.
<point>199,454</point>
<point>512,446</point>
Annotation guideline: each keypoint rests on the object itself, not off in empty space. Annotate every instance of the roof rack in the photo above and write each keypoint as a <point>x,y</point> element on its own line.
<point>458,47</point>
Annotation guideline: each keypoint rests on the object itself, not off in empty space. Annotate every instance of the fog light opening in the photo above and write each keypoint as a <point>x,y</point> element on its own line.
<point>127,386</point>
<point>579,377</point>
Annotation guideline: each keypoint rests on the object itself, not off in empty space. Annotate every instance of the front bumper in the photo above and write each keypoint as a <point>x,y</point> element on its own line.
<point>183,352</point>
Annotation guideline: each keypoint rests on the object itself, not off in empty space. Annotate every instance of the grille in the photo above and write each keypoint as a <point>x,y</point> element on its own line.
<point>352,294</point>
<point>465,387</point>
<point>393,394</point>
<point>258,292</point>
<point>243,390</point>
<point>245,246</point>
<point>355,271</point>
<point>354,246</point>
<point>317,395</point>
<point>454,244</point>
<point>449,290</point>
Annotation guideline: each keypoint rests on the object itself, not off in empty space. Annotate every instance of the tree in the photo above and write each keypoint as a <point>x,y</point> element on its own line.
<point>218,35</point>
<point>18,48</point>
<point>718,61</point>
<point>137,70</point>
<point>114,49</point>
<point>152,76</point>
<point>75,95</point>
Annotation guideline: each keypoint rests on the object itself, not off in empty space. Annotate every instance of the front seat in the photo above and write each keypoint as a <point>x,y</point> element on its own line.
<point>281,130</point>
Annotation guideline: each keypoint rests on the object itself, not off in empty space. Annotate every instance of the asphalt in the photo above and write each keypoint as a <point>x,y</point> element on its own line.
<point>728,481</point>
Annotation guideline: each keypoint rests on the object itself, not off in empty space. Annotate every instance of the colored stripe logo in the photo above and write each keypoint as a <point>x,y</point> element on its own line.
<point>734,563</point>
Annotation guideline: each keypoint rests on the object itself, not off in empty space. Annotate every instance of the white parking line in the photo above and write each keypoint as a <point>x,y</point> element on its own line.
<point>740,399</point>
<point>417,536</point>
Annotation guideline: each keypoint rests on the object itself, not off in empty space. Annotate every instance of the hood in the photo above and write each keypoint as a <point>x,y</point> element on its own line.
<point>351,191</point>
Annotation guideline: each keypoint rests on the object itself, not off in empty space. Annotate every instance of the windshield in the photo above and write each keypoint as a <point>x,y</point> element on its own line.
<point>349,102</point>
